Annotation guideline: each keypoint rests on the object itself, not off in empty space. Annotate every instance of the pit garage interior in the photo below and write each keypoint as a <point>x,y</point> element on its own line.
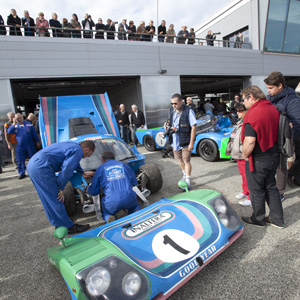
<point>125,90</point>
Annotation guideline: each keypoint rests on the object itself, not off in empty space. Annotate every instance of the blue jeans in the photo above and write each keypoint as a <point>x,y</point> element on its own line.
<point>124,133</point>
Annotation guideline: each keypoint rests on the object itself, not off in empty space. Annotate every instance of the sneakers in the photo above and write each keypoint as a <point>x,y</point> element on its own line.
<point>183,178</point>
<point>111,219</point>
<point>245,202</point>
<point>241,196</point>
<point>268,220</point>
<point>76,228</point>
<point>22,176</point>
<point>282,197</point>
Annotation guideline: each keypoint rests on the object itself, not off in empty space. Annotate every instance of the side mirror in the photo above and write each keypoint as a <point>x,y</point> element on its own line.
<point>183,185</point>
<point>60,234</point>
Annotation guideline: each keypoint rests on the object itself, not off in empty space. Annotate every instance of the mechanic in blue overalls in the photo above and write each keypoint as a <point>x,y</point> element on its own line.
<point>25,135</point>
<point>61,157</point>
<point>116,180</point>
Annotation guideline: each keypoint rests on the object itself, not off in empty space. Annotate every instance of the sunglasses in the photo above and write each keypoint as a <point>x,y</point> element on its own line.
<point>174,103</point>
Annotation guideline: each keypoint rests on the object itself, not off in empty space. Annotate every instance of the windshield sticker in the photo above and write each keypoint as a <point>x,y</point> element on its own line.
<point>93,138</point>
<point>114,172</point>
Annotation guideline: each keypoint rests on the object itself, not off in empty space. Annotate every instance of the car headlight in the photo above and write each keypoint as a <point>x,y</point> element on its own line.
<point>98,281</point>
<point>220,206</point>
<point>226,214</point>
<point>131,284</point>
<point>114,278</point>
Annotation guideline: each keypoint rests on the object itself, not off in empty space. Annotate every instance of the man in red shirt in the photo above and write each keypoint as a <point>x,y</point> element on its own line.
<point>259,135</point>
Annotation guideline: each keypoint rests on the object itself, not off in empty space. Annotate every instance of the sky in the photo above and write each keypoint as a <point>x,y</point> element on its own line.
<point>178,12</point>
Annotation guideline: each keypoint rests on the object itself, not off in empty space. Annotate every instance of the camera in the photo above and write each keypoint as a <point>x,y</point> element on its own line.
<point>215,33</point>
<point>169,130</point>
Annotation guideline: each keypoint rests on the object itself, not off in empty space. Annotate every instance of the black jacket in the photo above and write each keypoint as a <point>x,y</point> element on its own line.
<point>13,22</point>
<point>29,31</point>
<point>288,101</point>
<point>124,118</point>
<point>139,120</point>
<point>2,27</point>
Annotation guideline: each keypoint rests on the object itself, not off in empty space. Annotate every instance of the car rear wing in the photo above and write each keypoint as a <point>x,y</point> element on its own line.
<point>61,118</point>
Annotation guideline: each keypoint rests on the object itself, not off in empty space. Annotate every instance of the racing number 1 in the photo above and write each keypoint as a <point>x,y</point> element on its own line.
<point>168,240</point>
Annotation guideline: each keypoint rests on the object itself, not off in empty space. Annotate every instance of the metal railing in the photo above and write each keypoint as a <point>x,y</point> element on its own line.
<point>114,35</point>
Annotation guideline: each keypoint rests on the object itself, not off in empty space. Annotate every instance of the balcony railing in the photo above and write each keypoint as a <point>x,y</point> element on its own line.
<point>113,35</point>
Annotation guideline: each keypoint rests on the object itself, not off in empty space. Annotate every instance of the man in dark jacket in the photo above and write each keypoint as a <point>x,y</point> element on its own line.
<point>15,22</point>
<point>87,25</point>
<point>137,119</point>
<point>286,99</point>
<point>27,21</point>
<point>123,122</point>
<point>2,27</point>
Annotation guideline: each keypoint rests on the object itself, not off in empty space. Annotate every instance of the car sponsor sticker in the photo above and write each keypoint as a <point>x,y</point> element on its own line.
<point>93,138</point>
<point>140,228</point>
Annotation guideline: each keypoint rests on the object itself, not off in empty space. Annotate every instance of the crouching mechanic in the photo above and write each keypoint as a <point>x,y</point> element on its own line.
<point>61,157</point>
<point>183,121</point>
<point>116,180</point>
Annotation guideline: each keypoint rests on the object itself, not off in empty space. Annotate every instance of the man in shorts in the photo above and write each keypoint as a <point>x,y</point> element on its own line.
<point>183,122</point>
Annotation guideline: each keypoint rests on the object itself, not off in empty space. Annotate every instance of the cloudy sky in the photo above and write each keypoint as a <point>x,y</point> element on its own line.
<point>178,12</point>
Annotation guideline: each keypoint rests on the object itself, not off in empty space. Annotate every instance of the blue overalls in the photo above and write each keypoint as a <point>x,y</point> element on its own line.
<point>116,179</point>
<point>25,135</point>
<point>63,157</point>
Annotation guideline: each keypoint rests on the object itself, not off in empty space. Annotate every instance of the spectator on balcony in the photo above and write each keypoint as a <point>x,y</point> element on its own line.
<point>170,34</point>
<point>162,31</point>
<point>28,22</point>
<point>42,25</point>
<point>75,24</point>
<point>100,27</point>
<point>15,22</point>
<point>151,31</point>
<point>182,35</point>
<point>110,27</point>
<point>87,25</point>
<point>2,27</point>
<point>239,40</point>
<point>191,37</point>
<point>210,37</point>
<point>122,29</point>
<point>131,31</point>
<point>66,32</point>
<point>54,23</point>
<point>140,30</point>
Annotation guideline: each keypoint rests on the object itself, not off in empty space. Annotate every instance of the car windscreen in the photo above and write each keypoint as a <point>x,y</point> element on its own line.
<point>121,151</point>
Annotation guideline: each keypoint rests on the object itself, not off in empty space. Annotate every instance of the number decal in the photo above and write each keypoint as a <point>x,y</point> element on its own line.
<point>172,245</point>
<point>168,240</point>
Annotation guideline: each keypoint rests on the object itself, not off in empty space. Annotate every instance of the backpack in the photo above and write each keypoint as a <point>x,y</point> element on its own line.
<point>285,142</point>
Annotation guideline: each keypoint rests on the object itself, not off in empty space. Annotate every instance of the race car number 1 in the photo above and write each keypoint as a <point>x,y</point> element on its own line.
<point>173,245</point>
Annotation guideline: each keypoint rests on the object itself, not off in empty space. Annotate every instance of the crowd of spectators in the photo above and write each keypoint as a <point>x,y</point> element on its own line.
<point>87,28</point>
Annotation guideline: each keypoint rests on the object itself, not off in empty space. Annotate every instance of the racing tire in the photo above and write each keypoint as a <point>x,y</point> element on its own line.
<point>153,177</point>
<point>70,199</point>
<point>149,143</point>
<point>208,150</point>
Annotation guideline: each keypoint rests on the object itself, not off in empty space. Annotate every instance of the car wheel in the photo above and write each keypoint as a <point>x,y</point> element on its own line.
<point>208,150</point>
<point>149,143</point>
<point>70,199</point>
<point>151,177</point>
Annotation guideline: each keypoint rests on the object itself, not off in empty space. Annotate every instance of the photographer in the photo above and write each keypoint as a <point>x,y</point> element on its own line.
<point>182,132</point>
<point>210,37</point>
<point>87,25</point>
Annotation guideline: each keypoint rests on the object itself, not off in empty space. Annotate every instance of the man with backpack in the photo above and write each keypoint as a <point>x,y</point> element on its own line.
<point>287,101</point>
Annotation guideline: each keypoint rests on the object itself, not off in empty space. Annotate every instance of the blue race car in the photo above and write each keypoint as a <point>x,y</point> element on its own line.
<point>90,117</point>
<point>212,135</point>
<point>150,253</point>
